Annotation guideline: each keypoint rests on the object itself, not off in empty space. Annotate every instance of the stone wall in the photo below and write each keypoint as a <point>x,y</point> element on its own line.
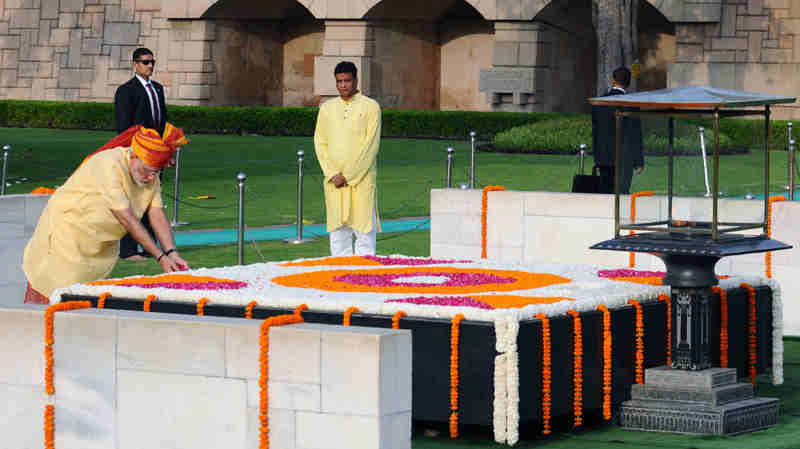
<point>18,217</point>
<point>755,46</point>
<point>150,380</point>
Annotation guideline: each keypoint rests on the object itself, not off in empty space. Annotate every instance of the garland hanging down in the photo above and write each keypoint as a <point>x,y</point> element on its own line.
<point>484,209</point>
<point>577,369</point>
<point>632,255</point>
<point>639,359</point>
<point>455,332</point>
<point>607,367</point>
<point>723,325</point>
<point>752,327</point>
<point>547,374</point>
<point>768,254</point>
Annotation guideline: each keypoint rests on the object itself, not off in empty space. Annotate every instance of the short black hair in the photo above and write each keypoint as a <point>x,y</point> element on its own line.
<point>346,67</point>
<point>622,76</point>
<point>141,51</point>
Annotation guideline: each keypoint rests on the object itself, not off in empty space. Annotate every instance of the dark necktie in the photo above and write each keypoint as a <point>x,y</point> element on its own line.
<point>154,102</point>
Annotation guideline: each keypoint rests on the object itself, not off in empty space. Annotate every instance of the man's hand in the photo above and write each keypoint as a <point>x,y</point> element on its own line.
<point>339,181</point>
<point>638,170</point>
<point>173,262</point>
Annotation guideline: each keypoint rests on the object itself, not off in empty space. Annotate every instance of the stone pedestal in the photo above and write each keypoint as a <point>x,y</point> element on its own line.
<point>708,402</point>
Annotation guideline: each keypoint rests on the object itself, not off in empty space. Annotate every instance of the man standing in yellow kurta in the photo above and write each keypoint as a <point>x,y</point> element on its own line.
<point>77,236</point>
<point>346,140</point>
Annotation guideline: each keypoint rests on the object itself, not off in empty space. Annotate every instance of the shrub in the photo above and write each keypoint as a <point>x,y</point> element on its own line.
<point>270,121</point>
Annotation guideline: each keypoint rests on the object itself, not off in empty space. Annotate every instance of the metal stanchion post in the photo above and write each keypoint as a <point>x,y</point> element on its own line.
<point>472,135</point>
<point>705,159</point>
<point>6,149</point>
<point>582,153</point>
<point>790,176</point>
<point>240,250</point>
<point>449,178</point>
<point>177,190</point>
<point>299,238</point>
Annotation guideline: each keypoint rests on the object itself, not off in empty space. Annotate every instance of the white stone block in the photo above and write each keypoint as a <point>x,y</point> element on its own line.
<point>242,350</point>
<point>567,240</point>
<point>354,373</point>
<point>295,353</point>
<point>12,209</point>
<point>570,204</point>
<point>456,201</point>
<point>12,293</point>
<point>330,431</point>
<point>396,431</point>
<point>177,346</point>
<point>292,396</point>
<point>85,379</point>
<point>174,411</point>
<point>22,346</point>
<point>11,252</point>
<point>456,229</point>
<point>21,416</point>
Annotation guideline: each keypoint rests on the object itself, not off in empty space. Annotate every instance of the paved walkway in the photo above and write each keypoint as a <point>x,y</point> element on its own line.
<point>229,236</point>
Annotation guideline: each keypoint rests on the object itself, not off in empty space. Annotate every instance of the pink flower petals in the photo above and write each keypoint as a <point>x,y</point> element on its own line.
<point>191,285</point>
<point>628,273</point>
<point>384,260</point>
<point>454,279</point>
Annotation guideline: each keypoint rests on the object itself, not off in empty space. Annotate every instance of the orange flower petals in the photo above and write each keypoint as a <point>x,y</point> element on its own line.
<point>668,301</point>
<point>263,378</point>
<point>646,280</point>
<point>396,319</point>
<point>639,341</point>
<point>484,208</point>
<point>348,313</point>
<point>49,427</point>
<point>201,306</point>
<point>547,374</point>
<point>248,310</point>
<point>511,301</point>
<point>166,278</point>
<point>607,348</point>
<point>577,369</point>
<point>455,332</point>
<point>325,280</point>
<point>352,261</point>
<point>147,301</point>
<point>632,255</point>
<point>101,301</point>
<point>49,338</point>
<point>768,254</point>
<point>723,325</point>
<point>752,338</point>
<point>299,309</point>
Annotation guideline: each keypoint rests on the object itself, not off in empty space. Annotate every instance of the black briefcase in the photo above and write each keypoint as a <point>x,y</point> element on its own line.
<point>586,183</point>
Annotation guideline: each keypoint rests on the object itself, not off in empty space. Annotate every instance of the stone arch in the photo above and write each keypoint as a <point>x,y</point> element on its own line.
<point>481,6</point>
<point>673,10</point>
<point>274,9</point>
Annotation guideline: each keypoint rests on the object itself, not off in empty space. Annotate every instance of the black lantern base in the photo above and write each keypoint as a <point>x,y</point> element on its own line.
<point>690,396</point>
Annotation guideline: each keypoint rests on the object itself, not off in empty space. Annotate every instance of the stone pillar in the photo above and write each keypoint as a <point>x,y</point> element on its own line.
<point>520,75</point>
<point>344,41</point>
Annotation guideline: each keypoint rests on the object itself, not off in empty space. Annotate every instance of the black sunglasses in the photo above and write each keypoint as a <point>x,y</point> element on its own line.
<point>147,61</point>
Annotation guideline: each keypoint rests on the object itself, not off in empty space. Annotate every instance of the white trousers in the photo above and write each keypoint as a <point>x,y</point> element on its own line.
<point>342,241</point>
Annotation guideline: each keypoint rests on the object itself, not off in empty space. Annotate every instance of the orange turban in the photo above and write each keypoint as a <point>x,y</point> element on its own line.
<point>154,150</point>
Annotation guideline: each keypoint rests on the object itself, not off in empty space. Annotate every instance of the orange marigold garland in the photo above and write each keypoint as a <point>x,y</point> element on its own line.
<point>547,374</point>
<point>147,301</point>
<point>396,319</point>
<point>348,313</point>
<point>248,310</point>
<point>201,306</point>
<point>632,255</point>
<point>577,368</point>
<point>768,254</point>
<point>723,325</point>
<point>639,341</point>
<point>484,206</point>
<point>101,301</point>
<point>607,347</point>
<point>49,427</point>
<point>49,337</point>
<point>455,332</point>
<point>668,301</point>
<point>263,379</point>
<point>299,309</point>
<point>752,338</point>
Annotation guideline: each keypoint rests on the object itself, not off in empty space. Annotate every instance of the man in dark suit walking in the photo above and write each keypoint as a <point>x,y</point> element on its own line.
<point>604,140</point>
<point>140,101</point>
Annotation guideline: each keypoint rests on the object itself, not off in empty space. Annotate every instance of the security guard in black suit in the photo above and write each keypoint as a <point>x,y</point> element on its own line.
<point>140,101</point>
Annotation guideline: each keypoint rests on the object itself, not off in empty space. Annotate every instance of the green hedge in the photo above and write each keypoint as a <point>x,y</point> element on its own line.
<point>564,134</point>
<point>269,121</point>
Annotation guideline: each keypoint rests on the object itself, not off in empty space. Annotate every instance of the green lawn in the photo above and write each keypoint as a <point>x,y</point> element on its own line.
<point>408,169</point>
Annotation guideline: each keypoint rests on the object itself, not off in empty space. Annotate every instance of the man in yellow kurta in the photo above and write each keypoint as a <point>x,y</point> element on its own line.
<point>77,236</point>
<point>346,140</point>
